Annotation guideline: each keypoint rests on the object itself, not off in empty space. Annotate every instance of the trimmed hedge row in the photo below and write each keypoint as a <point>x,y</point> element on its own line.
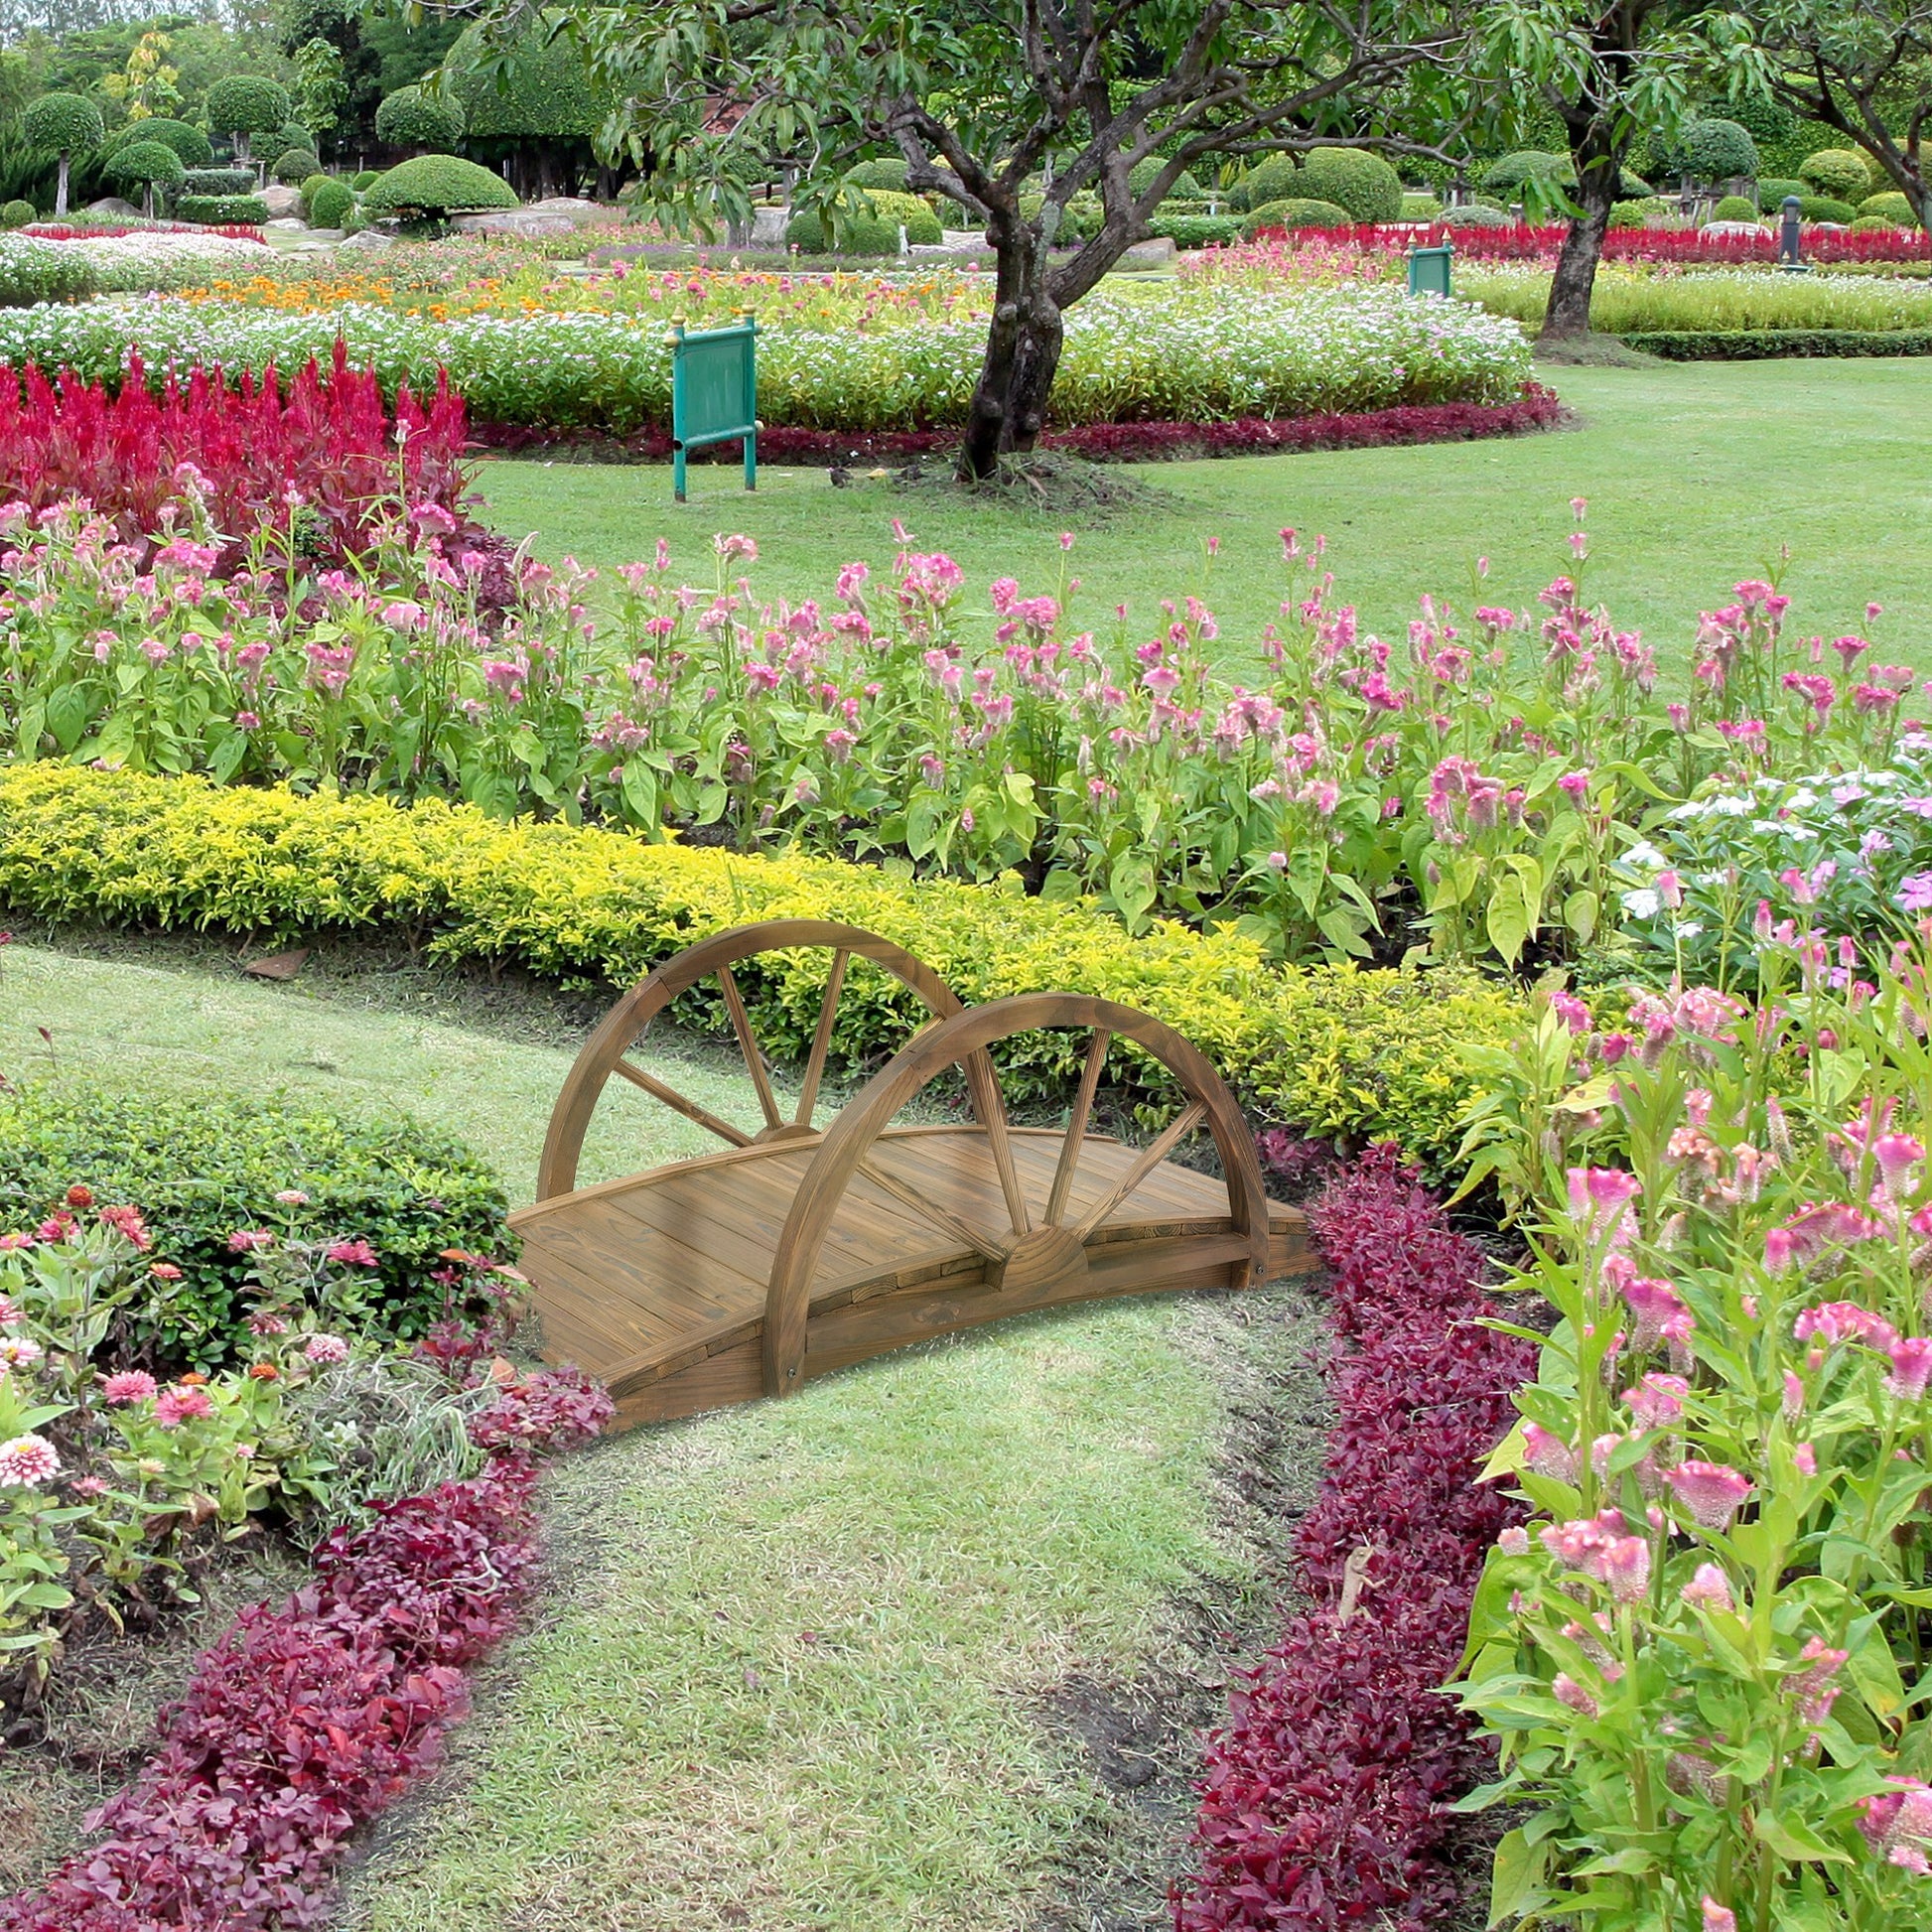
<point>1765,345</point>
<point>1338,1052</point>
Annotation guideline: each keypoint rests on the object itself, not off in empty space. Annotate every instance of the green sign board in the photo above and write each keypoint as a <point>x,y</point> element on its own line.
<point>1428,269</point>
<point>714,393</point>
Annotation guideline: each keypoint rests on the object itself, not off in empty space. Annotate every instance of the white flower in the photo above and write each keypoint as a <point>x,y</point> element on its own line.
<point>1642,904</point>
<point>1645,854</point>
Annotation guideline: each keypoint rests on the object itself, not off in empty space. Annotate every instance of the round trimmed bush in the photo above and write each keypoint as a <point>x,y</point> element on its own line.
<point>147,164</point>
<point>1837,173</point>
<point>247,105</point>
<point>1773,190</point>
<point>1478,214</point>
<point>887,172</point>
<point>296,166</point>
<point>63,124</point>
<point>292,135</point>
<point>1352,179</point>
<point>411,118</point>
<point>331,205</point>
<point>867,233</point>
<point>310,182</point>
<point>1505,178</point>
<point>437,184</point>
<point>366,179</point>
<point>1826,208</point>
<point>190,143</point>
<point>1629,214</point>
<point>1140,177</point>
<point>1716,150</point>
<point>1874,225</point>
<point>1735,208</point>
<point>1893,208</point>
<point>1294,213</point>
<point>16,215</point>
<point>1269,180</point>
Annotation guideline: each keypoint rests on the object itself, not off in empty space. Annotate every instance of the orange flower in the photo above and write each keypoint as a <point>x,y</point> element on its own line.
<point>264,1371</point>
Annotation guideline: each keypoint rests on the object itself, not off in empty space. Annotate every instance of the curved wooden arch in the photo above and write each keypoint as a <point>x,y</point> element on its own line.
<point>605,1052</point>
<point>1034,1258</point>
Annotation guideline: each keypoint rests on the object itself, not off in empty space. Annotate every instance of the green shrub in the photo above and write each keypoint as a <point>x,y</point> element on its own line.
<point>367,179</point>
<point>1839,174</point>
<point>219,181</point>
<point>1715,150</point>
<point>32,270</point>
<point>247,104</point>
<point>62,123</point>
<point>1420,208</point>
<point>1271,179</point>
<point>1629,214</point>
<point>191,144</point>
<point>1294,214</point>
<point>16,215</point>
<point>1826,208</point>
<point>1893,208</point>
<point>331,205</point>
<point>887,172</point>
<point>436,185</point>
<point>1333,1051</point>
<point>1352,179</point>
<point>292,135</point>
<point>295,167</point>
<point>201,1166</point>
<point>1772,192</point>
<point>1140,177</point>
<point>1194,230</point>
<point>411,118</point>
<point>1768,344</point>
<point>223,210</point>
<point>310,183</point>
<point>1478,214</point>
<point>866,231</point>
<point>1505,178</point>
<point>1735,208</point>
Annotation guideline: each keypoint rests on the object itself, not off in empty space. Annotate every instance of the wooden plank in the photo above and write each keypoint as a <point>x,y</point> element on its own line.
<point>733,1375</point>
<point>624,1257</point>
<point>671,1097</point>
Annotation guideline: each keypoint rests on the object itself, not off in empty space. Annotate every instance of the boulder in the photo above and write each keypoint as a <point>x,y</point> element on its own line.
<point>1158,253</point>
<point>579,212</point>
<point>285,221</point>
<point>370,238</point>
<point>514,220</point>
<point>281,200</point>
<point>110,207</point>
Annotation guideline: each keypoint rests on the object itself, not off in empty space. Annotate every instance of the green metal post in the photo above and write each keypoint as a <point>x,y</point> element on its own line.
<point>674,336</point>
<point>750,322</point>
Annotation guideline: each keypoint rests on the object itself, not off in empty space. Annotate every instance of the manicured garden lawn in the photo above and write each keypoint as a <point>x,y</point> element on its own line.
<point>1694,474</point>
<point>793,1659</point>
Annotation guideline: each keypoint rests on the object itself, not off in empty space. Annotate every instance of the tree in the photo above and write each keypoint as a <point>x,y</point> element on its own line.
<point>536,107</point>
<point>147,165</point>
<point>1863,67</point>
<point>411,118</point>
<point>320,89</point>
<point>146,85</point>
<point>981,98</point>
<point>243,104</point>
<point>1611,71</point>
<point>66,125</point>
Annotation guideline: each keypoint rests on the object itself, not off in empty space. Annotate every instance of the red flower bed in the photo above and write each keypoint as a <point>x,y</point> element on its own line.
<point>326,437</point>
<point>1526,241</point>
<point>1323,1800</point>
<point>308,1719</point>
<point>1536,408</point>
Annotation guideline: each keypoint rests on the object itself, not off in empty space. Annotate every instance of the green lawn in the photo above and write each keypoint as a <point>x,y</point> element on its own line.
<point>1695,473</point>
<point>790,1660</point>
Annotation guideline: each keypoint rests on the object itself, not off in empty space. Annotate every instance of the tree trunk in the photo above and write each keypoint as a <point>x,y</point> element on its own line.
<point>1598,159</point>
<point>60,192</point>
<point>1022,349</point>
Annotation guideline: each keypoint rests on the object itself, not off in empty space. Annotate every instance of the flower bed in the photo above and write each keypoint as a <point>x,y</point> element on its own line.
<point>1339,1051</point>
<point>1324,1799</point>
<point>1728,303</point>
<point>1704,1666</point>
<point>1182,355</point>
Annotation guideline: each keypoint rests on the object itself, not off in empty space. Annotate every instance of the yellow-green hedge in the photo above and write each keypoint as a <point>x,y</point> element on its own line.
<point>1337,1051</point>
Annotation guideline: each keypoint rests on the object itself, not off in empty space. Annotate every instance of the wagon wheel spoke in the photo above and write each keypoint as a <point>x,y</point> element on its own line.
<point>676,1101</point>
<point>821,1041</point>
<point>983,1085</point>
<point>1076,1125</point>
<point>934,1215</point>
<point>749,1047</point>
<point>1151,1158</point>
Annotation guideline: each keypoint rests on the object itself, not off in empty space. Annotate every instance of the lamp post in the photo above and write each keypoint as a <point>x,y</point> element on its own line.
<point>1789,237</point>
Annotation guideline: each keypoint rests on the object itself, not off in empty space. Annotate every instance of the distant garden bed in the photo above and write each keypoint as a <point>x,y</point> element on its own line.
<point>1765,345</point>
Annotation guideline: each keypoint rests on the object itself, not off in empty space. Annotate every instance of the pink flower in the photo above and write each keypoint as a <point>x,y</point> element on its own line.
<point>1627,1569</point>
<point>292,1197</point>
<point>1709,1589</point>
<point>1712,1491</point>
<point>1911,1367</point>
<point>1814,1688</point>
<point>1804,1460</point>
<point>19,1351</point>
<point>1894,1818</point>
<point>1833,1322</point>
<point>1718,1918</point>
<point>131,1385</point>
<point>1571,1011</point>
<point>1896,1154</point>
<point>1514,1541</point>
<point>1657,1400</point>
<point>1565,1690</point>
<point>1547,1454</point>
<point>354,1254</point>
<point>326,1348</point>
<point>248,1240</point>
<point>173,1407</point>
<point>27,1461</point>
<point>1599,1198</point>
<point>1657,1312</point>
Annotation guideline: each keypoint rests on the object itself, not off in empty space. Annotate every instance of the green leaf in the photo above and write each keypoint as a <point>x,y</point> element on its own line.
<point>1790,1837</point>
<point>1518,1870</point>
<point>1509,919</point>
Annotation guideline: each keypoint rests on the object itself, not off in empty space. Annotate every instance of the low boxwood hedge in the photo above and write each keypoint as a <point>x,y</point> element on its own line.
<point>200,1169</point>
<point>864,230</point>
<point>1334,1051</point>
<point>1764,345</point>
<point>223,210</point>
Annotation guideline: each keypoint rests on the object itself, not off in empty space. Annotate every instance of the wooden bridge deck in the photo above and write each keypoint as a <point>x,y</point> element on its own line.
<point>657,1283</point>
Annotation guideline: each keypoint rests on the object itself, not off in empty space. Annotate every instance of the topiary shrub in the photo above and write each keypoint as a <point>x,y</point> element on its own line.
<point>247,104</point>
<point>1270,179</point>
<point>222,210</point>
<point>1140,177</point>
<point>1714,150</point>
<point>1826,208</point>
<point>295,167</point>
<point>863,232</point>
<point>201,1166</point>
<point>331,205</point>
<point>292,135</point>
<point>1893,208</point>
<point>146,165</point>
<point>16,215</point>
<point>1478,214</point>
<point>887,172</point>
<point>1420,208</point>
<point>1504,179</point>
<point>63,125</point>
<point>1629,214</point>
<point>190,143</point>
<point>1351,179</point>
<point>437,184</point>
<point>1295,213</point>
<point>1874,225</point>
<point>1188,229</point>
<point>219,181</point>
<point>411,118</point>
<point>1839,174</point>
<point>1735,208</point>
<point>1771,193</point>
<point>366,179</point>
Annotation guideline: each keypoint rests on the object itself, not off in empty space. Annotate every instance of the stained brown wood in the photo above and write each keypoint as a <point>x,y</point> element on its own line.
<point>789,1254</point>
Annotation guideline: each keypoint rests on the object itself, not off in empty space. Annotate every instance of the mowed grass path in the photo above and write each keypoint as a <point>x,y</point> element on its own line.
<point>787,1669</point>
<point>1694,474</point>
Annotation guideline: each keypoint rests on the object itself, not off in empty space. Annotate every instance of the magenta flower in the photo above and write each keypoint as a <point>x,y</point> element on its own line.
<point>173,1407</point>
<point>28,1461</point>
<point>326,1348</point>
<point>1565,1690</point>
<point>1627,1569</point>
<point>1657,1312</point>
<point>1804,1460</point>
<point>1657,1401</point>
<point>352,1254</point>
<point>1712,1492</point>
<point>1709,1589</point>
<point>1833,1322</point>
<point>1718,1918</point>
<point>1813,1689</point>
<point>1911,1368</point>
<point>1915,894</point>
<point>131,1385</point>
<point>1547,1454</point>
<point>248,1240</point>
<point>1896,1154</point>
<point>1599,1198</point>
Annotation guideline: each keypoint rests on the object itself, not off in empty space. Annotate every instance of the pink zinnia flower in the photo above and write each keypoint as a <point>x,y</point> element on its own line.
<point>292,1197</point>
<point>356,1254</point>
<point>248,1240</point>
<point>27,1461</point>
<point>1709,1589</point>
<point>19,1351</point>
<point>131,1385</point>
<point>1712,1491</point>
<point>326,1348</point>
<point>173,1407</point>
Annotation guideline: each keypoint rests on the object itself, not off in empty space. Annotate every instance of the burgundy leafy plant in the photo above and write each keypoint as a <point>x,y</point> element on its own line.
<point>1323,1804</point>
